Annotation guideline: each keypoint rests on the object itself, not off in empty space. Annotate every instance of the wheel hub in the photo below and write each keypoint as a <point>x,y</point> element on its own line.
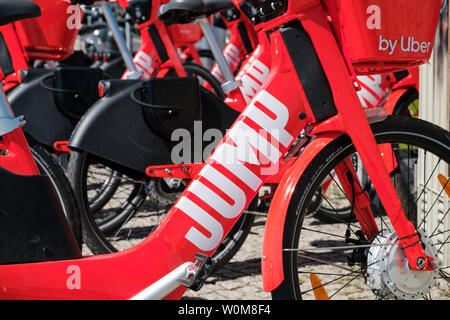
<point>389,274</point>
<point>164,192</point>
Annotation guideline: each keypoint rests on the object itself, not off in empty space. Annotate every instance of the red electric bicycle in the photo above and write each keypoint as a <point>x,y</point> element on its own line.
<point>322,100</point>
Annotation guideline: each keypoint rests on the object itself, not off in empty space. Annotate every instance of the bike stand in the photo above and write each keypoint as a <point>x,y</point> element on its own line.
<point>197,273</point>
<point>191,275</point>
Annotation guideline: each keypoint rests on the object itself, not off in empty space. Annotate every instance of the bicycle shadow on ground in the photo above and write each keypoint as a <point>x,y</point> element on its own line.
<point>236,269</point>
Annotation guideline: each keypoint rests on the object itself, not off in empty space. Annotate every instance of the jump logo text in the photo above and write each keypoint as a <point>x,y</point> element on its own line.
<point>219,191</point>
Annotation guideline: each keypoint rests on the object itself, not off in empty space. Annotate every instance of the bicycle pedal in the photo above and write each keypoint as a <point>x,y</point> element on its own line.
<point>197,273</point>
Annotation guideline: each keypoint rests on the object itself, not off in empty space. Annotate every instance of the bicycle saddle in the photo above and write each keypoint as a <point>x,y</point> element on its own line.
<point>185,11</point>
<point>11,11</point>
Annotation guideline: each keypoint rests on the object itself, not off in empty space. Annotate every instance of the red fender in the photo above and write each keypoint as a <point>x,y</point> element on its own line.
<point>272,262</point>
<point>393,98</point>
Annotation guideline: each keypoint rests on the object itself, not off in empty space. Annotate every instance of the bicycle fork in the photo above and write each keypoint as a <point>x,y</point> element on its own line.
<point>352,120</point>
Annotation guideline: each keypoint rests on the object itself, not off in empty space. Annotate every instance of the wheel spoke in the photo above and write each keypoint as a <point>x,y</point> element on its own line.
<point>324,262</point>
<point>434,202</point>
<point>424,175</point>
<point>345,285</point>
<point>331,281</point>
<point>443,217</point>
<point>323,232</point>
<point>339,250</point>
<point>343,248</point>
<point>342,220</point>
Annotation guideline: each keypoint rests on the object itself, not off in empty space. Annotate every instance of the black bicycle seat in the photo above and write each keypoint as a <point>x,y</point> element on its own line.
<point>11,11</point>
<point>186,11</point>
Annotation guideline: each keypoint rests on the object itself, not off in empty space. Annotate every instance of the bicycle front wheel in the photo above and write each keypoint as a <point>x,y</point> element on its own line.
<point>338,260</point>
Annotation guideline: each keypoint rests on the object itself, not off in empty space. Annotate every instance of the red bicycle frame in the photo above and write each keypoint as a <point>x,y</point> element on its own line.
<point>242,42</point>
<point>19,57</point>
<point>16,155</point>
<point>160,44</point>
<point>214,200</point>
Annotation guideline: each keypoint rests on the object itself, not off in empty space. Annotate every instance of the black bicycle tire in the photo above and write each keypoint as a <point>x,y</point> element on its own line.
<point>94,240</point>
<point>106,192</point>
<point>47,165</point>
<point>405,100</point>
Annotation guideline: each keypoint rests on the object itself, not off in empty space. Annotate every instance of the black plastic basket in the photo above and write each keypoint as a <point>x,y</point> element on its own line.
<point>74,89</point>
<point>169,104</point>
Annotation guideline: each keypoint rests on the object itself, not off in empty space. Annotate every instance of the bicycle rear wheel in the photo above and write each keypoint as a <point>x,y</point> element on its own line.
<point>338,261</point>
<point>48,166</point>
<point>134,210</point>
